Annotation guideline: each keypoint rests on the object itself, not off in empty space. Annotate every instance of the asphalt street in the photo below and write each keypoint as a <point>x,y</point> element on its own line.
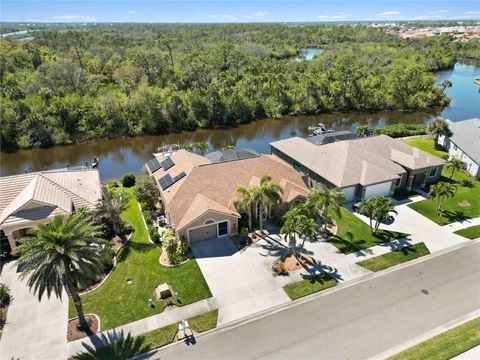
<point>355,321</point>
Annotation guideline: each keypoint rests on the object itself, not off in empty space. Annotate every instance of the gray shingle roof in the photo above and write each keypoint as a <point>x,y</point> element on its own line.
<point>230,155</point>
<point>466,135</point>
<point>331,137</point>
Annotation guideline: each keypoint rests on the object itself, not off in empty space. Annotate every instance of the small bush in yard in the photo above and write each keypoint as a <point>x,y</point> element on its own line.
<point>154,235</point>
<point>128,180</point>
<point>5,295</point>
<point>176,249</point>
<point>112,184</point>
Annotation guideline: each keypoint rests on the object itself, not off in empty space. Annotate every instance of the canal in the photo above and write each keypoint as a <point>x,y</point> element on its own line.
<point>128,155</point>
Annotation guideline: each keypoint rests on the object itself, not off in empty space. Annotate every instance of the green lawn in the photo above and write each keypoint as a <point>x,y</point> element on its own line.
<point>394,258</point>
<point>131,347</point>
<point>118,303</point>
<point>306,287</point>
<point>471,232</point>
<point>353,234</point>
<point>445,346</point>
<point>426,145</point>
<point>464,205</point>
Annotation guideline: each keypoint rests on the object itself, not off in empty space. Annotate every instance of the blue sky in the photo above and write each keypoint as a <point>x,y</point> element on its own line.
<point>235,11</point>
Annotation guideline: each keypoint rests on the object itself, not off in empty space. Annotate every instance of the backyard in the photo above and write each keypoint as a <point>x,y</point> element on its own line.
<point>426,145</point>
<point>354,235</point>
<point>123,297</point>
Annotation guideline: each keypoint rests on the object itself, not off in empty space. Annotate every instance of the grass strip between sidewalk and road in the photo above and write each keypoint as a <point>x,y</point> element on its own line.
<point>471,232</point>
<point>393,258</point>
<point>309,286</point>
<point>131,346</point>
<point>446,345</point>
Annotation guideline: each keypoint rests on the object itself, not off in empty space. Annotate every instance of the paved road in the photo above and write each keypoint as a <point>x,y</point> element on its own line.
<point>357,322</point>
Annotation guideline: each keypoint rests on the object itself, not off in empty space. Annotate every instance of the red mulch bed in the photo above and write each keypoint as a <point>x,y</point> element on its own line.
<point>73,333</point>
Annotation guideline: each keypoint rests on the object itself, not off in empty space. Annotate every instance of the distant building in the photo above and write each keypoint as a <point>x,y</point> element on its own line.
<point>464,143</point>
<point>30,199</point>
<point>363,167</point>
<point>331,137</point>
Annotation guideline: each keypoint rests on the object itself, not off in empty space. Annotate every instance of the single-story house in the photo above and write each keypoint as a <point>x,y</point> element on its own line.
<point>331,137</point>
<point>363,167</point>
<point>34,198</point>
<point>464,143</point>
<point>197,194</point>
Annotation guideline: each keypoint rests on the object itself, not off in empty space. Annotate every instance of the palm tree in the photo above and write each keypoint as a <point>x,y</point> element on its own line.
<point>325,199</point>
<point>379,209</point>
<point>62,254</point>
<point>446,84</point>
<point>266,195</point>
<point>437,128</point>
<point>298,222</point>
<point>440,191</point>
<point>243,199</point>
<point>111,206</point>
<point>455,164</point>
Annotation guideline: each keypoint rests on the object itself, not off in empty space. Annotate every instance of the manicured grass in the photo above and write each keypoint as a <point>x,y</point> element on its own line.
<point>394,258</point>
<point>445,346</point>
<point>306,287</point>
<point>471,232</point>
<point>403,194</point>
<point>426,145</point>
<point>118,303</point>
<point>353,234</point>
<point>464,205</point>
<point>132,346</point>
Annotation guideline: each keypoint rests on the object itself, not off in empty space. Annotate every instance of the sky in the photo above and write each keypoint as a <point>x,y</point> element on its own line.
<point>235,10</point>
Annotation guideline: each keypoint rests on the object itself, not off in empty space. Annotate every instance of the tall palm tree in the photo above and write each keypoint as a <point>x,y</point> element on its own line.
<point>440,192</point>
<point>437,128</point>
<point>298,222</point>
<point>446,84</point>
<point>377,209</point>
<point>325,199</point>
<point>243,199</point>
<point>455,164</point>
<point>111,206</point>
<point>62,254</point>
<point>266,194</point>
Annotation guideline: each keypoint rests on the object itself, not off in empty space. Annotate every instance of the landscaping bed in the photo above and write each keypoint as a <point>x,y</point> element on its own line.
<point>309,286</point>
<point>394,258</point>
<point>123,297</point>
<point>354,235</point>
<point>445,346</point>
<point>74,333</point>
<point>471,232</point>
<point>291,262</point>
<point>403,194</point>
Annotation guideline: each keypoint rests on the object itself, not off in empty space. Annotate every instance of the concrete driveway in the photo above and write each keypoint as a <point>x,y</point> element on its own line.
<point>241,282</point>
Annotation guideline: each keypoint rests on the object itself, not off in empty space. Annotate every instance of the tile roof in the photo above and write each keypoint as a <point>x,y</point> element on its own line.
<point>28,197</point>
<point>231,154</point>
<point>211,186</point>
<point>466,135</point>
<point>364,161</point>
<point>331,137</point>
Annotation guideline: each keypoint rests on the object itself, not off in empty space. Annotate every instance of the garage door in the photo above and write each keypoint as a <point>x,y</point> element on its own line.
<point>349,193</point>
<point>382,189</point>
<point>203,233</point>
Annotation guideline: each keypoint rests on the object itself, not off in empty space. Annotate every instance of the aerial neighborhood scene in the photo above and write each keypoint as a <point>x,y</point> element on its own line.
<point>240,180</point>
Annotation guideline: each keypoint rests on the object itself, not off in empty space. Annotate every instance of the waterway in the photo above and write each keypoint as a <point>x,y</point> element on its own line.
<point>128,155</point>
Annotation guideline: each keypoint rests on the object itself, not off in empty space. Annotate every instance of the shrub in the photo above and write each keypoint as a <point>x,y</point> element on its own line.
<point>154,235</point>
<point>402,130</point>
<point>148,217</point>
<point>278,268</point>
<point>176,249</point>
<point>128,228</point>
<point>5,295</point>
<point>146,191</point>
<point>128,180</point>
<point>106,259</point>
<point>112,184</point>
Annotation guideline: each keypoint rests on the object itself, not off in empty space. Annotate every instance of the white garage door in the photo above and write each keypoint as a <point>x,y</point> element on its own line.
<point>349,193</point>
<point>203,233</point>
<point>382,189</point>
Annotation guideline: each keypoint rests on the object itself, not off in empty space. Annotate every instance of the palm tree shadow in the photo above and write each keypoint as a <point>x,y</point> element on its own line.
<point>130,246</point>
<point>113,346</point>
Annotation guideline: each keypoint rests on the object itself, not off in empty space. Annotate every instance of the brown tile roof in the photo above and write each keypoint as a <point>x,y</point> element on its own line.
<point>362,161</point>
<point>29,196</point>
<point>212,186</point>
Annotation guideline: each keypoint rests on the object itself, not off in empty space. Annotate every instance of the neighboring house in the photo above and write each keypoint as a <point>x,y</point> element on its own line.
<point>363,167</point>
<point>331,137</point>
<point>34,198</point>
<point>464,143</point>
<point>197,194</point>
<point>230,154</point>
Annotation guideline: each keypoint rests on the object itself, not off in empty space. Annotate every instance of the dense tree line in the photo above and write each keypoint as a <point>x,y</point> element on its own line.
<point>77,84</point>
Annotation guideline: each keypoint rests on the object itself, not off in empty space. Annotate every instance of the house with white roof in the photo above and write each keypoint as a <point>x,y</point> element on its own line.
<point>464,143</point>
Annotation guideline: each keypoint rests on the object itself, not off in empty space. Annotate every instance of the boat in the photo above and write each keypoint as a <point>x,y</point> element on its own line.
<point>95,162</point>
<point>477,81</point>
<point>167,150</point>
<point>319,129</point>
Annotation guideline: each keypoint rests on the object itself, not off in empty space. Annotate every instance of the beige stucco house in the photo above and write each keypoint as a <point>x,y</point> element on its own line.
<point>363,167</point>
<point>196,193</point>
<point>34,198</point>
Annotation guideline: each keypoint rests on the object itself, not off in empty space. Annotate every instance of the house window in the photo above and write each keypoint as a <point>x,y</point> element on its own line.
<point>455,147</point>
<point>433,171</point>
<point>223,228</point>
<point>209,221</point>
<point>397,182</point>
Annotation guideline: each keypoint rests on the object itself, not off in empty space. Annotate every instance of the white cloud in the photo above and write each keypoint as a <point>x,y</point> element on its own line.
<point>337,16</point>
<point>75,18</point>
<point>131,12</point>
<point>261,13</point>
<point>222,16</point>
<point>472,13</point>
<point>389,14</point>
<point>441,11</point>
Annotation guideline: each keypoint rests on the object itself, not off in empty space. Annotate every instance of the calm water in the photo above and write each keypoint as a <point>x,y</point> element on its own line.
<point>128,155</point>
<point>309,53</point>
